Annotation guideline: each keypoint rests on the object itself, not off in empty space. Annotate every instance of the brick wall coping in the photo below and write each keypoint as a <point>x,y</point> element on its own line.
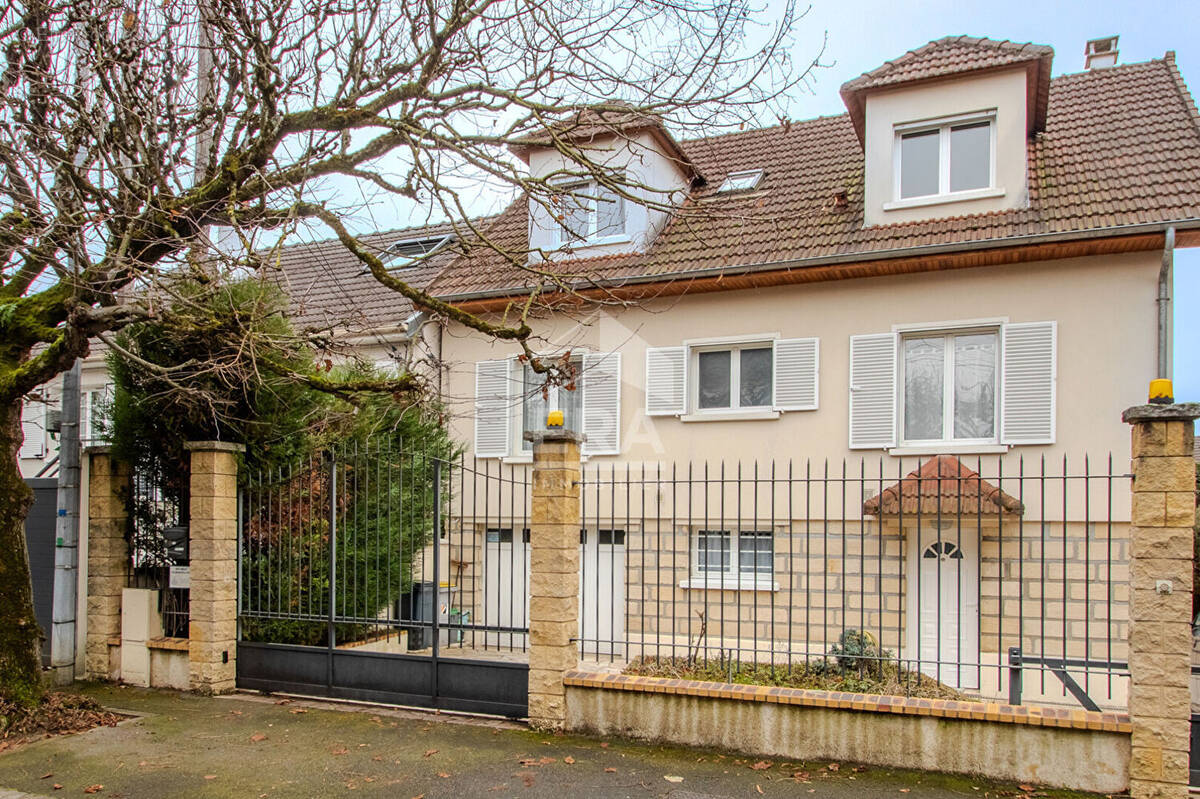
<point>98,449</point>
<point>213,446</point>
<point>1178,412</point>
<point>1032,715</point>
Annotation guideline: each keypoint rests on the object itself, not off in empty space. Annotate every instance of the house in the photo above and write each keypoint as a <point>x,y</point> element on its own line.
<point>952,287</point>
<point>857,372</point>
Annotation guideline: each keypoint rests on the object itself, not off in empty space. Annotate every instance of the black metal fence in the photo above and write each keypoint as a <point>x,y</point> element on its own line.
<point>158,537</point>
<point>997,577</point>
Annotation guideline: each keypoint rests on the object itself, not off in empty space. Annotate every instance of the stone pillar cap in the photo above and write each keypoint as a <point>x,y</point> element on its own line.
<point>214,446</point>
<point>1177,412</point>
<point>98,449</point>
<point>545,436</point>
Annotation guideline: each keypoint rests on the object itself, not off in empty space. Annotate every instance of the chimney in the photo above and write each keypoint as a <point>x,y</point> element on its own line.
<point>1100,53</point>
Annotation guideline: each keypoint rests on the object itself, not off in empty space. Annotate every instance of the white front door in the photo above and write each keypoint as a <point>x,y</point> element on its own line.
<point>943,613</point>
<point>601,595</point>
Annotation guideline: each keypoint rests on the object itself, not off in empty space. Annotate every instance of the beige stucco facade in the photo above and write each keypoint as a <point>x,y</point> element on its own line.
<point>1104,307</point>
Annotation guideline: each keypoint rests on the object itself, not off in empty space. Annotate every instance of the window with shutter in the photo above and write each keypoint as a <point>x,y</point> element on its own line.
<point>796,373</point>
<point>1028,379</point>
<point>492,408</point>
<point>873,391</point>
<point>666,381</point>
<point>602,403</point>
<point>33,428</point>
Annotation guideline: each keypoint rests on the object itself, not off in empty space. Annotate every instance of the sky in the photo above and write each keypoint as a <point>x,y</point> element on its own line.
<point>862,34</point>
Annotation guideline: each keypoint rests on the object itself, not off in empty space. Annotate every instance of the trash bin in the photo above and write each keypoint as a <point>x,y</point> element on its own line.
<point>417,607</point>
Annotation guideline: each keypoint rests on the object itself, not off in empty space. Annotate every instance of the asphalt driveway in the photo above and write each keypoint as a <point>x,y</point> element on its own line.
<point>180,745</point>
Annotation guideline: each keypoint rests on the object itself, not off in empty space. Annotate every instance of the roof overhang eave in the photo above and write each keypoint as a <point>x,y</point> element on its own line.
<point>1191,223</point>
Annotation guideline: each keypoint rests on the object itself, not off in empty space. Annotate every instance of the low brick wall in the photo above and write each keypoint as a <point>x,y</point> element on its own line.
<point>1060,747</point>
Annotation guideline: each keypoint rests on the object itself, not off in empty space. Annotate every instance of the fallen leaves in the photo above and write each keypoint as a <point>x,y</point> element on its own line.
<point>833,767</point>
<point>339,750</point>
<point>610,770</point>
<point>672,778</point>
<point>758,788</point>
<point>568,760</point>
<point>258,737</point>
<point>93,789</point>
<point>762,765</point>
<point>430,753</point>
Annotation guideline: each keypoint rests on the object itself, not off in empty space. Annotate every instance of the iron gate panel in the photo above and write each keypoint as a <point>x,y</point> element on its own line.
<point>360,569</point>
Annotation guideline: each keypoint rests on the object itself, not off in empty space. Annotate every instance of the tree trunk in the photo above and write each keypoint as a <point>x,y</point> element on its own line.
<point>20,636</point>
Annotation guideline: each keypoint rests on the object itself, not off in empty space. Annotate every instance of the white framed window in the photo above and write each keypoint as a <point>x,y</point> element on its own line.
<point>753,378</point>
<point>949,383</point>
<point>94,409</point>
<point>733,377</point>
<point>952,158</point>
<point>586,211</point>
<point>970,386</point>
<point>511,399</point>
<point>732,558</point>
<point>740,181</point>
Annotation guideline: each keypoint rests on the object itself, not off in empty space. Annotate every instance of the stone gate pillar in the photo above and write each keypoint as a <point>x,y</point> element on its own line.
<point>1160,638</point>
<point>107,557</point>
<point>212,543</point>
<point>553,573</point>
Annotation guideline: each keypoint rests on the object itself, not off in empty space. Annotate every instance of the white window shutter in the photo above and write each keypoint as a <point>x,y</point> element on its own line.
<point>873,391</point>
<point>666,381</point>
<point>1027,383</point>
<point>33,428</point>
<point>492,411</point>
<point>602,403</point>
<point>796,365</point>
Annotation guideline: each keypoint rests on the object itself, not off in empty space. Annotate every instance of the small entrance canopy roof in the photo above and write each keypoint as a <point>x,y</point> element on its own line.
<point>944,485</point>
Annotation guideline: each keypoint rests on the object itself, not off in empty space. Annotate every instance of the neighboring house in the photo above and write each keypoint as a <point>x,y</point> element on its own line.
<point>949,286</point>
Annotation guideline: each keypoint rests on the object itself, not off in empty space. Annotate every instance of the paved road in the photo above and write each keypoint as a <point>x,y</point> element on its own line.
<point>180,745</point>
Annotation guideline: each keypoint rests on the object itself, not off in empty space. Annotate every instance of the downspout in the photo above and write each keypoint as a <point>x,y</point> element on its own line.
<point>1164,305</point>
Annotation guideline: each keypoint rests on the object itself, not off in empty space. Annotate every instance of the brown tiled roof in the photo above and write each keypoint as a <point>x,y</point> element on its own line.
<point>948,56</point>
<point>952,56</point>
<point>331,288</point>
<point>1121,148</point>
<point>942,485</point>
<point>591,124</point>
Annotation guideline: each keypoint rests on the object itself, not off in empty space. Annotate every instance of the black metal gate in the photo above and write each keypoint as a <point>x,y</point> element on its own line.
<point>363,575</point>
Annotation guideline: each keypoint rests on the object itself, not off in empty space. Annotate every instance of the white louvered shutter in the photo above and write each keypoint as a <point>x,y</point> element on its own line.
<point>873,391</point>
<point>602,403</point>
<point>1027,383</point>
<point>33,428</point>
<point>492,412</point>
<point>666,381</point>
<point>796,367</point>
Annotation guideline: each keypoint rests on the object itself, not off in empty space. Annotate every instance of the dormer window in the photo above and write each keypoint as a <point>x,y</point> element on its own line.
<point>588,212</point>
<point>741,181</point>
<point>945,160</point>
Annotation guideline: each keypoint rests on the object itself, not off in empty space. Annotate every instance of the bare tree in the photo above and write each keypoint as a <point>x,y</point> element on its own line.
<point>104,205</point>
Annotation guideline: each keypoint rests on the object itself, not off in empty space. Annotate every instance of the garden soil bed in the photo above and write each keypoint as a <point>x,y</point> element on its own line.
<point>887,679</point>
